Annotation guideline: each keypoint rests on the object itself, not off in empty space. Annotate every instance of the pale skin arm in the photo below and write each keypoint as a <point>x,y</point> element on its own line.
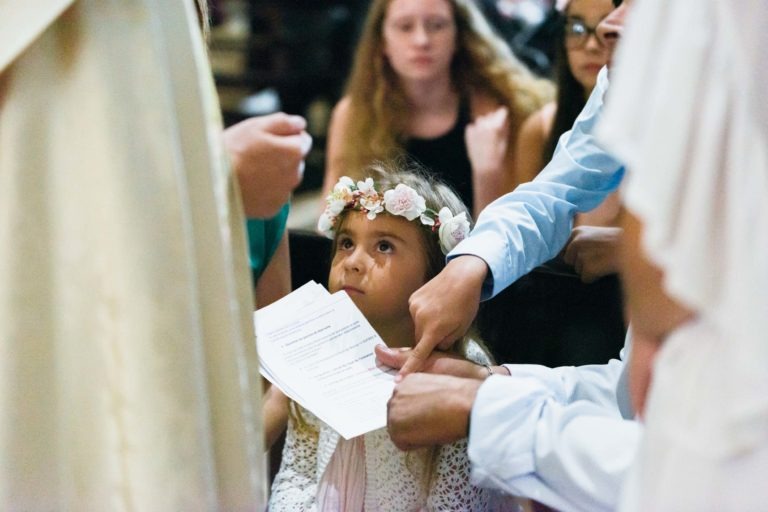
<point>491,154</point>
<point>530,144</point>
<point>274,283</point>
<point>274,409</point>
<point>487,140</point>
<point>334,161</point>
<point>652,312</point>
<point>267,155</point>
<point>444,308</point>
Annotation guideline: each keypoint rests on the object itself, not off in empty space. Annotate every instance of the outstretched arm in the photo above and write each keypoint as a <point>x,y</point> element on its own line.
<point>570,456</point>
<point>545,434</point>
<point>514,234</point>
<point>491,157</point>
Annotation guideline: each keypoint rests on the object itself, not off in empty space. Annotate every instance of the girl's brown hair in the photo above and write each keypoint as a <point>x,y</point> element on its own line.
<point>483,63</point>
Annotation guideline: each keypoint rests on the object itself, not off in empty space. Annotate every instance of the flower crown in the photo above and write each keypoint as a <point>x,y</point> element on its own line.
<point>402,200</point>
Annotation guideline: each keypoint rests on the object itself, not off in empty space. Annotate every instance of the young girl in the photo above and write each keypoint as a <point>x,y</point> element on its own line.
<point>390,233</point>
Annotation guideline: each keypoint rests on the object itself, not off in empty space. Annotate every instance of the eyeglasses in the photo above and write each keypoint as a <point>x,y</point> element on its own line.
<point>577,32</point>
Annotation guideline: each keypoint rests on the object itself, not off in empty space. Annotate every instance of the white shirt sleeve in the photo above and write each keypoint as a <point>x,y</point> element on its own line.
<point>554,435</point>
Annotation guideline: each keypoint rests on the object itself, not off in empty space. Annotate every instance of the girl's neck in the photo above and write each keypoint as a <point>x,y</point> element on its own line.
<point>399,334</point>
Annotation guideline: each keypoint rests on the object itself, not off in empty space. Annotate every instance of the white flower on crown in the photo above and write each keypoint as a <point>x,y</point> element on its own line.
<point>369,199</point>
<point>404,201</point>
<point>453,229</point>
<point>326,223</point>
<point>340,196</point>
<point>345,182</point>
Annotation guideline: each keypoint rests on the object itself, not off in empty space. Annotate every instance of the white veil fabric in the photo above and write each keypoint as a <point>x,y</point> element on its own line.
<point>687,114</point>
<point>128,367</point>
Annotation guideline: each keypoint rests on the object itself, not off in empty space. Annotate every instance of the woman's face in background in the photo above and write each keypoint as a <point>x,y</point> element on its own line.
<point>586,53</point>
<point>419,39</point>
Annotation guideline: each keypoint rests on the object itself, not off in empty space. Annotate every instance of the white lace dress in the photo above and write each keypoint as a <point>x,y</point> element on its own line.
<point>389,484</point>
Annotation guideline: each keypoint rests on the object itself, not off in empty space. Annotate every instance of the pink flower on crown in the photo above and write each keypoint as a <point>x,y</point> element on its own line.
<point>404,201</point>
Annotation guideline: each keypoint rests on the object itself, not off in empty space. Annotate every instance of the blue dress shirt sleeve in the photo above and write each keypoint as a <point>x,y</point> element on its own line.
<point>530,225</point>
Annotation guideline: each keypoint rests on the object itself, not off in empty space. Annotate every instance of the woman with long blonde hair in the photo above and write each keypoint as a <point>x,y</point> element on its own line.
<point>431,80</point>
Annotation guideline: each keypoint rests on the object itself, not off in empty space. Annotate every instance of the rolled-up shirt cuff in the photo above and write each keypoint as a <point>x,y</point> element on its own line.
<point>493,250</point>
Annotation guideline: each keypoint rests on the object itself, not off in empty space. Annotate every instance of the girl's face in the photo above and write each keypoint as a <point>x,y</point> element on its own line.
<point>586,53</point>
<point>419,38</point>
<point>379,263</point>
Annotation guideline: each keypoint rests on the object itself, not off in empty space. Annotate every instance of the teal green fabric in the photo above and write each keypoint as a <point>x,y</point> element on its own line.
<point>263,238</point>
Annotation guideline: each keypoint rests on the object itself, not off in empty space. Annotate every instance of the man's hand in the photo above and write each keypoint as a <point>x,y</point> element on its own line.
<point>444,363</point>
<point>427,410</point>
<point>593,251</point>
<point>444,308</point>
<point>441,363</point>
<point>267,155</point>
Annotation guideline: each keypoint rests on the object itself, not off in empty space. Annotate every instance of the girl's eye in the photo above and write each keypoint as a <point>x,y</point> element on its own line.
<point>345,243</point>
<point>385,246</point>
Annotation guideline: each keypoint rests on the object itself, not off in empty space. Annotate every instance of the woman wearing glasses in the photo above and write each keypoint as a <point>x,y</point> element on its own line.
<point>581,56</point>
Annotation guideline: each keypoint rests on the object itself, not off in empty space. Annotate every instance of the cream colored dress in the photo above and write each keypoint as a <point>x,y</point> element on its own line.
<point>128,372</point>
<point>688,114</point>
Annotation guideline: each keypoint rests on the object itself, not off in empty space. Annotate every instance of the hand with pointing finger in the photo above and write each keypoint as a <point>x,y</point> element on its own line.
<point>439,362</point>
<point>444,308</point>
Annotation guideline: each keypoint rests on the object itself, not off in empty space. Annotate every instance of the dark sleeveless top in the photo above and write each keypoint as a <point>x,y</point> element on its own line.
<point>446,156</point>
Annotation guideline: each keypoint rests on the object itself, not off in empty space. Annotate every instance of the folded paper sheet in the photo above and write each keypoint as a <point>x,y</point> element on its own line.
<point>318,349</point>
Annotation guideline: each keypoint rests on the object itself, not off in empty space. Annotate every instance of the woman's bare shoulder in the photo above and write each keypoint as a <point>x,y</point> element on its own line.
<point>343,109</point>
<point>541,121</point>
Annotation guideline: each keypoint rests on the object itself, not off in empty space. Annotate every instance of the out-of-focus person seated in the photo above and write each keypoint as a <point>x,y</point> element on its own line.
<point>580,57</point>
<point>431,80</point>
<point>592,249</point>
